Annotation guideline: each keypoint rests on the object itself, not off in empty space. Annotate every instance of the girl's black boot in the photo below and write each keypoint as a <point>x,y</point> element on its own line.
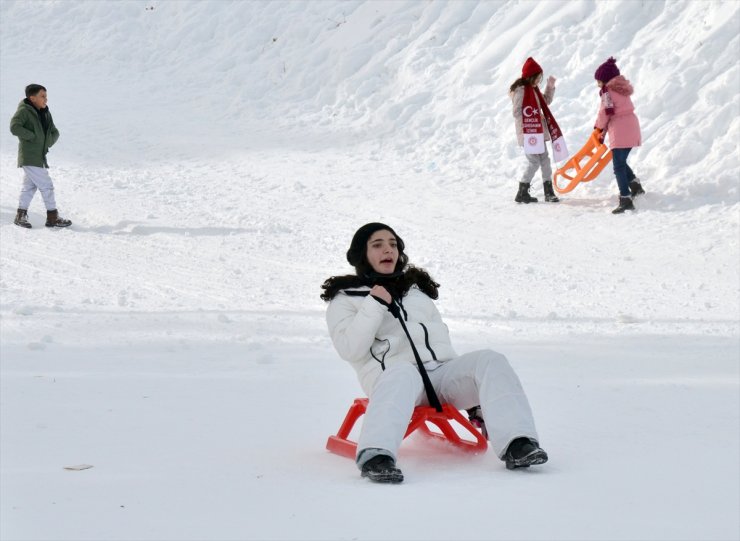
<point>636,188</point>
<point>625,203</point>
<point>522,196</point>
<point>550,196</point>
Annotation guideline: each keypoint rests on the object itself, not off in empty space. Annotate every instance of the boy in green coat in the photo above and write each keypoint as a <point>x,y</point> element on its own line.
<point>33,126</point>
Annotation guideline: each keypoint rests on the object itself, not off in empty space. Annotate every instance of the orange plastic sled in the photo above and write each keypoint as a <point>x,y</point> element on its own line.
<point>342,445</point>
<point>597,156</point>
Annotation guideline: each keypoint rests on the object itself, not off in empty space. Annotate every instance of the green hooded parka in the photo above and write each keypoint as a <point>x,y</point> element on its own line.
<point>33,141</point>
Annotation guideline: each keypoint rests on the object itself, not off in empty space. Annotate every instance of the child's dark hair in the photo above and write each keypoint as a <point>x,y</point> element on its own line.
<point>33,89</point>
<point>525,81</point>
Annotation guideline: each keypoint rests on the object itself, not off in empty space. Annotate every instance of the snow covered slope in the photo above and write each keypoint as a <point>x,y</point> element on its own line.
<point>216,157</point>
<point>426,79</point>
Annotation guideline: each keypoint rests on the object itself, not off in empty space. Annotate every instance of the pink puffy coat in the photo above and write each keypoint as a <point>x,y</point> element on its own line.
<point>623,127</point>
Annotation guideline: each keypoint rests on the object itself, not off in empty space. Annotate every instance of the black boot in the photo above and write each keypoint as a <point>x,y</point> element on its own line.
<point>475,416</point>
<point>382,469</point>
<point>54,220</point>
<point>523,453</point>
<point>522,196</point>
<point>21,219</point>
<point>550,196</point>
<point>636,188</point>
<point>625,203</point>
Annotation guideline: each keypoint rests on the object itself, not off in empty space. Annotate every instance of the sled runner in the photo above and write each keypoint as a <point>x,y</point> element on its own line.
<point>341,445</point>
<point>596,155</point>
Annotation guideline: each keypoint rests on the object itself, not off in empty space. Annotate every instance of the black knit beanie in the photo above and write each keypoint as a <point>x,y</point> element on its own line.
<point>358,248</point>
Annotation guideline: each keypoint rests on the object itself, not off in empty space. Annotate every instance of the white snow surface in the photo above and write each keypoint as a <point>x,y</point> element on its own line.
<point>216,157</point>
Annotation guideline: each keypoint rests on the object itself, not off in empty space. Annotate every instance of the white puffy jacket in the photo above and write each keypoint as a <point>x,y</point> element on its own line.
<point>366,334</point>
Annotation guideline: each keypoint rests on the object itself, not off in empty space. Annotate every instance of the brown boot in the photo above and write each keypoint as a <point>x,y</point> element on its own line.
<point>54,220</point>
<point>21,219</point>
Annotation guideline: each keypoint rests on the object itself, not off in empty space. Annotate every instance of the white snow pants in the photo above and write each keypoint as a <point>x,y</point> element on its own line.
<point>482,378</point>
<point>36,178</point>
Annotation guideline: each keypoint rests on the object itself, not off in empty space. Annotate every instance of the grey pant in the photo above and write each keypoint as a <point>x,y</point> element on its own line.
<point>482,378</point>
<point>534,162</point>
<point>36,178</point>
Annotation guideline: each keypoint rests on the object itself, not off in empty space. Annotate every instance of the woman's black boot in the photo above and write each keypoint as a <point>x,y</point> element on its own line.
<point>382,469</point>
<point>523,453</point>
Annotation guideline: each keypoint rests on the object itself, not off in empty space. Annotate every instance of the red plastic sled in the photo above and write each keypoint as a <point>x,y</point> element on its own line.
<point>340,444</point>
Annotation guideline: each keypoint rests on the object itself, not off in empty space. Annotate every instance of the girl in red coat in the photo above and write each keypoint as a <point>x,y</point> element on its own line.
<point>617,117</point>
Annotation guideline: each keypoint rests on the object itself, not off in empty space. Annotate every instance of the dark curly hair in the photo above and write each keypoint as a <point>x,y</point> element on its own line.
<point>397,284</point>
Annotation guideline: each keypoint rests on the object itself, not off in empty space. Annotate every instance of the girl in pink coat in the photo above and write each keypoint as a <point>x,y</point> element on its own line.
<point>617,118</point>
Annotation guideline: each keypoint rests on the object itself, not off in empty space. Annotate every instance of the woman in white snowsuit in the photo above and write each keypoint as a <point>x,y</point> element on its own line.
<point>368,335</point>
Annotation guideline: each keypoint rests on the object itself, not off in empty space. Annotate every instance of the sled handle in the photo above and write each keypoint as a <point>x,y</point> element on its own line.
<point>598,156</point>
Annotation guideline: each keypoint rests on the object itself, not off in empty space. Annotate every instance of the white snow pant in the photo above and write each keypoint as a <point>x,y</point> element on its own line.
<point>482,378</point>
<point>36,178</point>
<point>534,162</point>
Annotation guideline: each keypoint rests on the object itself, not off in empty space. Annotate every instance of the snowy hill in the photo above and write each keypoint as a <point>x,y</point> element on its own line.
<point>216,157</point>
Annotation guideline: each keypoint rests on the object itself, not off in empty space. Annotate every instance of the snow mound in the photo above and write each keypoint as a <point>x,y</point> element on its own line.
<point>426,80</point>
